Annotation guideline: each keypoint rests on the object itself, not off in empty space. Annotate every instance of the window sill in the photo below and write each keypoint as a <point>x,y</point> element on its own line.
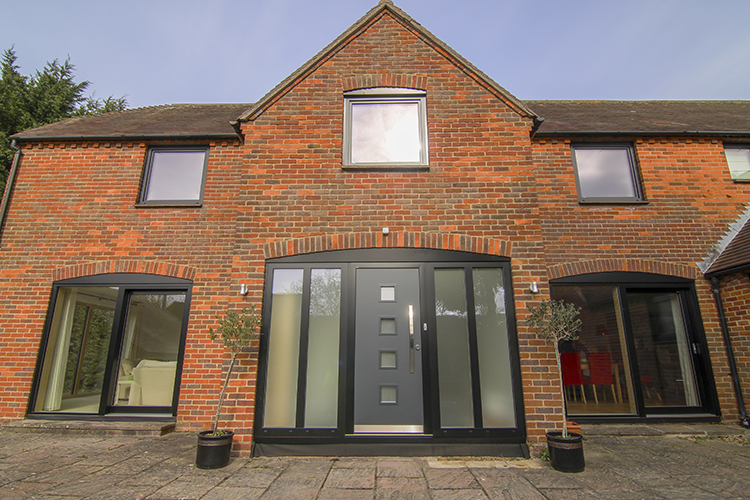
<point>168,205</point>
<point>613,202</point>
<point>387,166</point>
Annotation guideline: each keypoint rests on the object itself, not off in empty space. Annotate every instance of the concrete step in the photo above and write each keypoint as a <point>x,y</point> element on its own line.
<point>91,427</point>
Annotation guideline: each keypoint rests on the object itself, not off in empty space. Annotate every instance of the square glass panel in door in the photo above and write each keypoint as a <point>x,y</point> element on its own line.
<point>76,355</point>
<point>596,367</point>
<point>498,406</point>
<point>454,362</point>
<point>150,349</point>
<point>663,349</point>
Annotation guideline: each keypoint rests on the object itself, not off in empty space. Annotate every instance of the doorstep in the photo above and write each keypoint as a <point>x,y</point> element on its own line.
<point>589,430</point>
<point>90,427</point>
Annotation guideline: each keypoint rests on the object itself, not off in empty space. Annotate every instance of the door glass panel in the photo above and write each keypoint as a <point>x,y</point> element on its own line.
<point>321,403</point>
<point>498,407</point>
<point>150,348</point>
<point>387,326</point>
<point>454,365</point>
<point>388,394</point>
<point>663,349</point>
<point>283,348</point>
<point>76,355</point>
<point>387,360</point>
<point>596,373</point>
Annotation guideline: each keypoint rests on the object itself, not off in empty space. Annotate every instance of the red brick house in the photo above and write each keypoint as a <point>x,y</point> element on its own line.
<point>393,212</point>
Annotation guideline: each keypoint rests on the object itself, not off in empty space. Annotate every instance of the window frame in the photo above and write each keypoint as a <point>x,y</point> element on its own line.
<point>744,146</point>
<point>148,168</point>
<point>385,95</point>
<point>127,284</point>
<point>635,176</point>
<point>628,282</point>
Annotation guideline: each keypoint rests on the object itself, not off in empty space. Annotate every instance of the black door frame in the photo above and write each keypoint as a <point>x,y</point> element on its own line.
<point>629,281</point>
<point>128,283</point>
<point>342,440</point>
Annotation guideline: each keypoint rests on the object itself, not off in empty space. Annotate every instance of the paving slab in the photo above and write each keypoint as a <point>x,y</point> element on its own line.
<point>701,464</point>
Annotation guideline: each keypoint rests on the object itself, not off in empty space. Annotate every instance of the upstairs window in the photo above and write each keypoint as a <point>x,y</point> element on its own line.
<point>738,159</point>
<point>606,173</point>
<point>174,176</point>
<point>385,127</point>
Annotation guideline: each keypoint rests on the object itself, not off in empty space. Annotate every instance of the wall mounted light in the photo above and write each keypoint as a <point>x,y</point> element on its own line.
<point>386,231</point>
<point>243,289</point>
<point>534,287</point>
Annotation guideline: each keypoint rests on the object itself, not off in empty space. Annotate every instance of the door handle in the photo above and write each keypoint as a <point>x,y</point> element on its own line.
<point>411,337</point>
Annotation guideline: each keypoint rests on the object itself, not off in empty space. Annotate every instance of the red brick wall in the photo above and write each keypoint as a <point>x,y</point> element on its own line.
<point>284,192</point>
<point>479,184</point>
<point>73,205</point>
<point>691,202</point>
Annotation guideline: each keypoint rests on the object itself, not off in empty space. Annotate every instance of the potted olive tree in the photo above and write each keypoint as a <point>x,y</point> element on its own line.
<point>556,321</point>
<point>236,331</point>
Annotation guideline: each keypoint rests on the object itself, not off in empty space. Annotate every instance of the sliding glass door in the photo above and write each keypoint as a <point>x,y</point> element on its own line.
<point>641,351</point>
<point>112,348</point>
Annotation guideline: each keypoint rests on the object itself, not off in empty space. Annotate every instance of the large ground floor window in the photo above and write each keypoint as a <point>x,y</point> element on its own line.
<point>389,346</point>
<point>641,353</point>
<point>113,344</point>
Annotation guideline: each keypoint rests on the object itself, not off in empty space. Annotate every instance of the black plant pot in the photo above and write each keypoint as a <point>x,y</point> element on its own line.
<point>213,451</point>
<point>566,454</point>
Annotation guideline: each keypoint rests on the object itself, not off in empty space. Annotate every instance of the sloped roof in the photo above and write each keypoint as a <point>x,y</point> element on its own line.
<point>175,120</point>
<point>733,252</point>
<point>347,36</point>
<point>643,117</point>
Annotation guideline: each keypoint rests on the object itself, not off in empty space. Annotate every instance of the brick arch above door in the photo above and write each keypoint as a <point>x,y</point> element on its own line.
<point>159,268</point>
<point>407,239</point>
<point>623,265</point>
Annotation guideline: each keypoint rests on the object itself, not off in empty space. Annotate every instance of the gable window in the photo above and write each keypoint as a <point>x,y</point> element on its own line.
<point>738,159</point>
<point>174,176</point>
<point>606,173</point>
<point>385,127</point>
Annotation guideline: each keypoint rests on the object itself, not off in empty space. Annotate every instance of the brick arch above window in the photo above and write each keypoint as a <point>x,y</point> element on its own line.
<point>623,265</point>
<point>159,268</point>
<point>404,81</point>
<point>407,239</point>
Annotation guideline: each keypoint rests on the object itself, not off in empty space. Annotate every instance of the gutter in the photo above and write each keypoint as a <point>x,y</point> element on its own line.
<point>125,137</point>
<point>744,421</point>
<point>9,184</point>
<point>568,133</point>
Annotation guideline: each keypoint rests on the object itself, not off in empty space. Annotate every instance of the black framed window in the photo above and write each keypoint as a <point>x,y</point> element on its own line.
<point>385,127</point>
<point>606,173</point>
<point>738,159</point>
<point>641,352</point>
<point>112,344</point>
<point>174,176</point>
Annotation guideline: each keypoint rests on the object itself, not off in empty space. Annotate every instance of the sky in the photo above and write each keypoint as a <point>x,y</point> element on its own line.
<point>176,51</point>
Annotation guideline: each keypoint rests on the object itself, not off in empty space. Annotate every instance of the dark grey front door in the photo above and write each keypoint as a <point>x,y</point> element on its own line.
<point>387,361</point>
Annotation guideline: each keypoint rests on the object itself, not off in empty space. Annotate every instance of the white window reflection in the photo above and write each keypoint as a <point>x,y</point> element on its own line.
<point>386,132</point>
<point>739,163</point>
<point>605,173</point>
<point>175,175</point>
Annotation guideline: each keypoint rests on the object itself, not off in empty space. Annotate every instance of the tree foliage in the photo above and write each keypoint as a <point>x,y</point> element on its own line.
<point>236,331</point>
<point>45,97</point>
<point>555,320</point>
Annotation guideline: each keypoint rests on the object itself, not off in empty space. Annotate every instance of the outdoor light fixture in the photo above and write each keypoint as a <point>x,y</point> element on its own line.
<point>534,287</point>
<point>386,231</point>
<point>243,289</point>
